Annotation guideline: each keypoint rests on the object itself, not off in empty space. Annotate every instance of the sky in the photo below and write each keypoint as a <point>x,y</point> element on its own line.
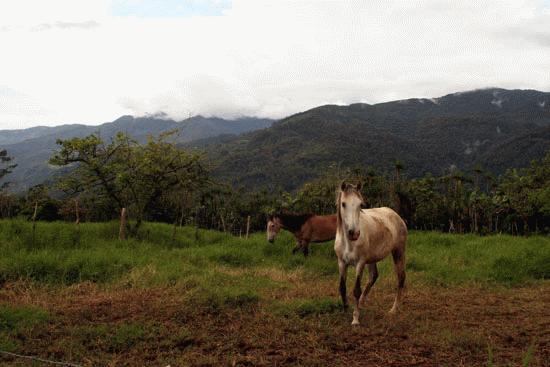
<point>91,61</point>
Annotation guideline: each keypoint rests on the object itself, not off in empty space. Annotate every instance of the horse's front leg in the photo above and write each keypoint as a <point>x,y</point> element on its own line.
<point>357,291</point>
<point>299,241</point>
<point>343,269</point>
<point>305,247</point>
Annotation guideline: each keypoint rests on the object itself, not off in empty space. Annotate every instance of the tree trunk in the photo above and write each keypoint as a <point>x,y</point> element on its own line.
<point>123,224</point>
<point>247,226</point>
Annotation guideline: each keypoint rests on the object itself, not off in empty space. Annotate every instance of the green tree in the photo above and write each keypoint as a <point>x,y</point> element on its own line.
<point>6,167</point>
<point>7,201</point>
<point>129,174</point>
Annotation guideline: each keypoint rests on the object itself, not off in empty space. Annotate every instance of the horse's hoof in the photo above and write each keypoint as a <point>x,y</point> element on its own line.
<point>392,312</point>
<point>355,323</point>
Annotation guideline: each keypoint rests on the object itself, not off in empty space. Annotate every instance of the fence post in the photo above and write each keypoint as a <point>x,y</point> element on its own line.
<point>247,226</point>
<point>77,212</point>
<point>123,221</point>
<point>77,222</point>
<point>34,221</point>
<point>174,230</point>
<point>223,224</point>
<point>197,234</point>
<point>181,216</point>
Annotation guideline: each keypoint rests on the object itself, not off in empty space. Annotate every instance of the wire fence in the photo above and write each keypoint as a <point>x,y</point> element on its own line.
<point>38,359</point>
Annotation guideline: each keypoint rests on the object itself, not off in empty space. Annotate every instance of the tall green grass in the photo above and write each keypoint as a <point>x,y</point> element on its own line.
<point>58,253</point>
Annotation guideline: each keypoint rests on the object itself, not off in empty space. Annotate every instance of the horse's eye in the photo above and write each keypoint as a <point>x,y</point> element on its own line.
<point>343,205</point>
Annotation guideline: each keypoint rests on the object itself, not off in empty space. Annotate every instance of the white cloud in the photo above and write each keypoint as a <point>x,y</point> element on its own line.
<point>264,58</point>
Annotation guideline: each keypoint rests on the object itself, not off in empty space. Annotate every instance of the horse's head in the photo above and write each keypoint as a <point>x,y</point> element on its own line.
<point>273,227</point>
<point>349,204</point>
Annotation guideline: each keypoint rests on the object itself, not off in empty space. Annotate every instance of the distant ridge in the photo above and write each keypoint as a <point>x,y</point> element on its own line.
<point>31,148</point>
<point>494,127</point>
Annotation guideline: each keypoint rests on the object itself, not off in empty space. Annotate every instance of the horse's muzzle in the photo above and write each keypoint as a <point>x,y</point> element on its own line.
<point>353,235</point>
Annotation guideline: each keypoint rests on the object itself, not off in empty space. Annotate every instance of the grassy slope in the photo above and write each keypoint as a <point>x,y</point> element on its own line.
<point>157,289</point>
<point>61,255</point>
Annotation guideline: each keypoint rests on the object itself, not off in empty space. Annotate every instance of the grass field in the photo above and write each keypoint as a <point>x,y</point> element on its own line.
<point>208,299</point>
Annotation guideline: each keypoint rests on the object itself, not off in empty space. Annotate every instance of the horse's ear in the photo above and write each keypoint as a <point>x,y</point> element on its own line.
<point>343,186</point>
<point>359,185</point>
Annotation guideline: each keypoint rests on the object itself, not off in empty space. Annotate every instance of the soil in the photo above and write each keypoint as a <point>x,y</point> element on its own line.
<point>436,326</point>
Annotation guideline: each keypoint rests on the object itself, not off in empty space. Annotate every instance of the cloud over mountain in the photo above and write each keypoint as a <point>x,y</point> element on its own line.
<point>262,58</point>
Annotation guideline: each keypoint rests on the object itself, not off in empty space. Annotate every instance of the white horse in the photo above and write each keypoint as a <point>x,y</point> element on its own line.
<point>364,237</point>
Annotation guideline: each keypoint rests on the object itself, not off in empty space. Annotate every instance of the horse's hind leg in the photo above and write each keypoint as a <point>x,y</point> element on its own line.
<point>373,275</point>
<point>297,247</point>
<point>303,246</point>
<point>305,249</point>
<point>399,262</point>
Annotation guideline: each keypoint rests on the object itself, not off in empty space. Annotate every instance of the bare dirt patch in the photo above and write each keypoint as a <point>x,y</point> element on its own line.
<point>159,326</point>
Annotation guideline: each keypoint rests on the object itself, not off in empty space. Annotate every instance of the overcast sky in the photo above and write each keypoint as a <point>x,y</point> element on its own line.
<point>90,61</point>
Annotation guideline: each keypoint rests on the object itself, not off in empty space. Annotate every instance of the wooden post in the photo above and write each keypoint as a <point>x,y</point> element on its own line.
<point>35,211</point>
<point>123,221</point>
<point>197,235</point>
<point>181,216</point>
<point>77,212</point>
<point>34,221</point>
<point>77,222</point>
<point>174,230</point>
<point>223,224</point>
<point>247,226</point>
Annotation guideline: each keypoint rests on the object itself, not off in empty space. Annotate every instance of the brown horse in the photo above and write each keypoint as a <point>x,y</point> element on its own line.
<point>364,237</point>
<point>305,227</point>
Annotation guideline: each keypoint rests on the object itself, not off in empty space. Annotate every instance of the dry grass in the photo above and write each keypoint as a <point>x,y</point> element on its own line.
<point>157,326</point>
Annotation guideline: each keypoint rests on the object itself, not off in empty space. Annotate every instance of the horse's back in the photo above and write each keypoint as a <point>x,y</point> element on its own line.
<point>323,227</point>
<point>385,218</point>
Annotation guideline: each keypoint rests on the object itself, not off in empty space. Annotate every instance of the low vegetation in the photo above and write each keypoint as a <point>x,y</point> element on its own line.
<point>62,253</point>
<point>208,298</point>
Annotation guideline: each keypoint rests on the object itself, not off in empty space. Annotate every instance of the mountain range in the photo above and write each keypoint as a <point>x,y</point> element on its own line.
<point>31,148</point>
<point>494,128</point>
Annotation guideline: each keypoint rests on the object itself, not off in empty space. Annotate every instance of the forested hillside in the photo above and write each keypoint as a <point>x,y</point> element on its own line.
<point>494,128</point>
<point>31,148</point>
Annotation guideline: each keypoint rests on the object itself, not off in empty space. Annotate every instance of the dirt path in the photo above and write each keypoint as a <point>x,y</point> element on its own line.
<point>437,326</point>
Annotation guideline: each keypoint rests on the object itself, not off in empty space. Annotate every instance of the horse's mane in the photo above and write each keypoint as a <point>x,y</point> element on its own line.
<point>293,221</point>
